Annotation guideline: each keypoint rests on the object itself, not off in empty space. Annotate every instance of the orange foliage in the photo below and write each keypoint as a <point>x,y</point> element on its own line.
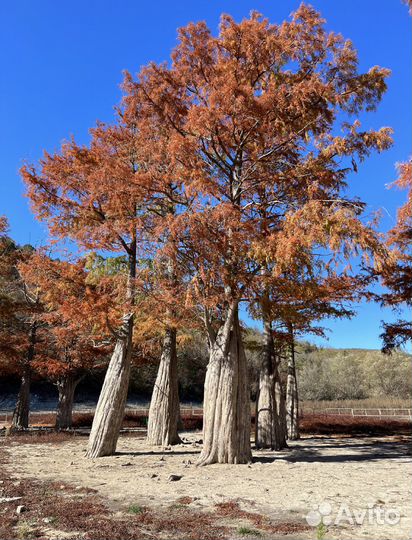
<point>224,173</point>
<point>250,117</point>
<point>396,273</point>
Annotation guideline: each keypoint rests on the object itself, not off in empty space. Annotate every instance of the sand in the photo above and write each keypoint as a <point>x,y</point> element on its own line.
<point>364,474</point>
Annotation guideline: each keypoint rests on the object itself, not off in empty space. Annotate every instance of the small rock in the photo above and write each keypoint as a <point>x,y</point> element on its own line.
<point>174,477</point>
<point>128,464</point>
<point>168,448</point>
<point>154,475</point>
<point>9,499</point>
<point>47,520</point>
<point>20,509</point>
<point>162,458</point>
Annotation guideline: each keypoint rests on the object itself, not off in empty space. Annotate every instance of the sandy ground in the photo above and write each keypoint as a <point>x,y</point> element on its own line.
<point>365,474</point>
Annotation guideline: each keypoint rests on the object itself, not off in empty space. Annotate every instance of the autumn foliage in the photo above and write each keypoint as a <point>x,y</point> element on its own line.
<point>222,182</point>
<point>397,272</point>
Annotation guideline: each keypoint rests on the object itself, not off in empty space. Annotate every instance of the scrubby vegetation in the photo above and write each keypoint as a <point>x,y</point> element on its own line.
<point>353,374</point>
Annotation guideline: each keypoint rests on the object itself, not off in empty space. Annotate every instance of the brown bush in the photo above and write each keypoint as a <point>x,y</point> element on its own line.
<point>328,424</point>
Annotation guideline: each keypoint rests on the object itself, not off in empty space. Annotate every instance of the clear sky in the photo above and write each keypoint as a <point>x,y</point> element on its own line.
<point>62,62</point>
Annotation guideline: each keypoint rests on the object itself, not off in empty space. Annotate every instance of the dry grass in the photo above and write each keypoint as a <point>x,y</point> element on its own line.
<point>311,423</point>
<point>52,508</point>
<point>231,509</point>
<point>80,511</point>
<point>370,403</point>
<point>46,436</point>
<point>131,420</point>
<point>328,424</point>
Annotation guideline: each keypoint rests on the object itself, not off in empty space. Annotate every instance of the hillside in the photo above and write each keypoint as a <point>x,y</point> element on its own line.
<point>334,374</point>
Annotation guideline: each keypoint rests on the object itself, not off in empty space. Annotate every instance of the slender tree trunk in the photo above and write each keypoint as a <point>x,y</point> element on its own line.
<point>109,413</point>
<point>226,410</point>
<point>268,428</point>
<point>22,410</point>
<point>66,387</point>
<point>281,406</point>
<point>164,409</point>
<point>292,402</point>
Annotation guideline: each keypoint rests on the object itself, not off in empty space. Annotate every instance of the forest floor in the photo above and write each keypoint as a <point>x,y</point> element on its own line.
<point>145,493</point>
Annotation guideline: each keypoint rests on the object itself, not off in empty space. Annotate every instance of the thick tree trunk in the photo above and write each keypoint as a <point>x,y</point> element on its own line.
<point>109,413</point>
<point>66,387</point>
<point>268,432</point>
<point>292,403</point>
<point>21,412</point>
<point>164,409</point>
<point>22,409</point>
<point>226,410</point>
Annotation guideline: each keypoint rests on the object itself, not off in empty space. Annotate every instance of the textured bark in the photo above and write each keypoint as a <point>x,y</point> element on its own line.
<point>110,408</point>
<point>66,387</point>
<point>109,413</point>
<point>226,410</point>
<point>292,403</point>
<point>164,409</point>
<point>22,409</point>
<point>269,432</point>
<point>281,406</point>
<point>266,413</point>
<point>21,412</point>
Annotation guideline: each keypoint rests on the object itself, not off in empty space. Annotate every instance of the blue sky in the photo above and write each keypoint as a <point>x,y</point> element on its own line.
<point>61,65</point>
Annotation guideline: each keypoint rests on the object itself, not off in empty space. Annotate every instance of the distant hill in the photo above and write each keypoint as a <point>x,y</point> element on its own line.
<point>333,374</point>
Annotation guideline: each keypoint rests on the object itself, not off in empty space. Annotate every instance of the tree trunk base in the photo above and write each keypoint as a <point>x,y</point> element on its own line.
<point>66,387</point>
<point>21,412</point>
<point>110,408</point>
<point>267,421</point>
<point>281,408</point>
<point>292,408</point>
<point>164,412</point>
<point>226,431</point>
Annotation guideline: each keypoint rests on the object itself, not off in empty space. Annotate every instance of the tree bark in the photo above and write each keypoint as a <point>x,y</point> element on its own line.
<point>109,413</point>
<point>226,410</point>
<point>66,387</point>
<point>164,409</point>
<point>269,433</point>
<point>281,406</point>
<point>22,409</point>
<point>21,412</point>
<point>292,402</point>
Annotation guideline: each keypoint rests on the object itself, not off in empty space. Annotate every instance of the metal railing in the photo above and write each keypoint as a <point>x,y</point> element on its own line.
<point>374,412</point>
<point>6,415</point>
<point>185,411</point>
